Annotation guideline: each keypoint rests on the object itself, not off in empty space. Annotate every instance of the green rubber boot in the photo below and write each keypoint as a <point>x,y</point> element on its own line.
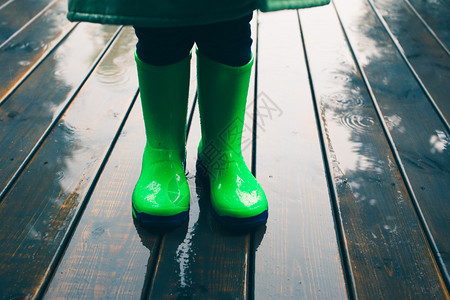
<point>237,198</point>
<point>161,195</point>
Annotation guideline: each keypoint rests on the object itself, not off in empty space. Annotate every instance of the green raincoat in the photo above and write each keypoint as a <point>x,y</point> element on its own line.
<point>174,13</point>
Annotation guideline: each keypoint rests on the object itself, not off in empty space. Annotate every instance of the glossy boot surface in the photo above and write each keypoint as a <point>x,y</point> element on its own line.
<point>161,195</point>
<point>237,198</point>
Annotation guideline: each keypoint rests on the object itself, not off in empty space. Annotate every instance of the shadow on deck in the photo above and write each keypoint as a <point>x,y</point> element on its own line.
<point>350,141</point>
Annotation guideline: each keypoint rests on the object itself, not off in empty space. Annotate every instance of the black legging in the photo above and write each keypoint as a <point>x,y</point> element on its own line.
<point>225,42</point>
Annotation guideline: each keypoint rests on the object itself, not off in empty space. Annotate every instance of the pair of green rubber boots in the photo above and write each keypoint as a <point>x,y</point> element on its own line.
<point>161,196</point>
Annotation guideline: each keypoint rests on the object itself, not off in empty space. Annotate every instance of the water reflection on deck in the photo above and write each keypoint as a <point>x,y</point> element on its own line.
<point>350,142</point>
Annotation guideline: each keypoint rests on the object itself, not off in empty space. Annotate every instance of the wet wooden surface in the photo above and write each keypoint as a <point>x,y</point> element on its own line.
<point>365,178</point>
<point>11,23</point>
<point>289,165</point>
<point>346,129</point>
<point>21,54</point>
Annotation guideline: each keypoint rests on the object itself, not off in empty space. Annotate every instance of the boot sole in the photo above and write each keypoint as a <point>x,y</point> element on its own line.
<point>241,223</point>
<point>148,220</point>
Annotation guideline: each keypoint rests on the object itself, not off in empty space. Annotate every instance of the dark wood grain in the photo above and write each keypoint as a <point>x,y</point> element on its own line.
<point>436,15</point>
<point>20,55</point>
<point>425,55</point>
<point>418,134</point>
<point>299,255</point>
<point>201,260</point>
<point>89,274</point>
<point>26,9</point>
<point>37,104</point>
<point>388,251</point>
<point>71,154</point>
<point>60,175</point>
<point>108,256</point>
<point>4,3</point>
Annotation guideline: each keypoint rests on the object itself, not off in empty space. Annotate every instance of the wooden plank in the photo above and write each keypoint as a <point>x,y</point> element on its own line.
<point>419,135</point>
<point>426,56</point>
<point>298,258</point>
<point>436,16</point>
<point>201,259</point>
<point>4,3</point>
<point>36,105</point>
<point>388,252</point>
<point>109,256</point>
<point>26,9</point>
<point>20,55</point>
<point>85,271</point>
<point>60,176</point>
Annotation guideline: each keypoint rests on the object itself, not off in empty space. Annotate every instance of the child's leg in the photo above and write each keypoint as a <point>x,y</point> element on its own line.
<point>228,43</point>
<point>163,46</point>
<point>223,70</point>
<point>161,195</point>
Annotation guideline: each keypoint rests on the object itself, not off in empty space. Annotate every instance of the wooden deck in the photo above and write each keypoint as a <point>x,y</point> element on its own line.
<point>346,130</point>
